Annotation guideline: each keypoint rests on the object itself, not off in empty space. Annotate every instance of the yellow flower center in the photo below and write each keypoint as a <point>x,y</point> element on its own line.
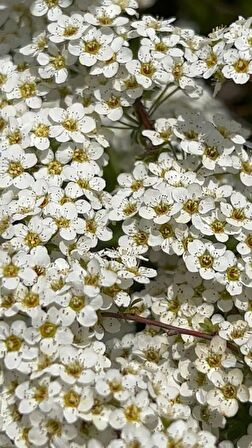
<point>54,167</point>
<point>211,152</point>
<point>247,168</point>
<point>177,71</point>
<point>27,89</point>
<point>147,69</point>
<point>70,30</point>
<point>10,270</point>
<point>74,369</point>
<point>14,137</point>
<point>72,399</point>
<point>238,214</point>
<point>91,226</point>
<point>3,78</point>
<point>15,169</point>
<point>41,393</point>
<point>70,125</point>
<point>248,241</point>
<point>62,223</point>
<point>113,102</point>
<point>206,261</point>
<point>191,206</point>
<point>233,274</point>
<point>166,231</point>
<point>51,3</point>
<point>105,20</point>
<point>48,330</point>
<point>92,47</point>
<point>58,62</point>
<point>13,343</point>
<point>132,413</point>
<point>79,155</point>
<point>7,301</point>
<point>162,208</point>
<point>218,226</point>
<point>77,303</point>
<point>229,391</point>
<point>241,66</point>
<point>53,428</point>
<point>31,300</point>
<point>129,209</point>
<point>32,239</point>
<point>214,360</point>
<point>140,238</point>
<point>160,46</point>
<point>211,60</point>
<point>41,130</point>
<point>152,355</point>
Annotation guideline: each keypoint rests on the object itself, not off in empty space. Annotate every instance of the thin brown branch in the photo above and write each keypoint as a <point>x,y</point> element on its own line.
<point>144,120</point>
<point>142,115</point>
<point>171,329</point>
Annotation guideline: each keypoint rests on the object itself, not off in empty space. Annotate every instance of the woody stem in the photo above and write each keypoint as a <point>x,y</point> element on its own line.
<point>171,329</point>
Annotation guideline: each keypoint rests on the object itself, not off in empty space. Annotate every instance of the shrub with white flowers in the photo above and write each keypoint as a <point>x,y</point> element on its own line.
<point>126,230</point>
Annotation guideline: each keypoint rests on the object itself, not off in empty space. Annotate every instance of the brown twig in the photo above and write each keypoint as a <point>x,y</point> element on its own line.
<point>144,120</point>
<point>171,329</point>
<point>142,115</point>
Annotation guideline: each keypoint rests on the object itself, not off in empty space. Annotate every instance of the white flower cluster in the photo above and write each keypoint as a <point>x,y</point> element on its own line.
<point>169,246</point>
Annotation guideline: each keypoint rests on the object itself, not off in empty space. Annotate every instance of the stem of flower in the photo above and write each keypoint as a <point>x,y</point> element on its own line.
<point>170,329</point>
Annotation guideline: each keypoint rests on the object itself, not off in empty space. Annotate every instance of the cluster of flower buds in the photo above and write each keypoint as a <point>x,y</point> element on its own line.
<point>126,230</point>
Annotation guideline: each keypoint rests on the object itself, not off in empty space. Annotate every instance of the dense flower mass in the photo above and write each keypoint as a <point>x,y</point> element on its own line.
<point>126,230</point>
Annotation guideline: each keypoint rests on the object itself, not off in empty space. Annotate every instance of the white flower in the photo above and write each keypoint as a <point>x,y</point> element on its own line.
<point>40,126</point>
<point>206,258</point>
<point>38,44</point>
<point>28,90</point>
<point>159,206</point>
<point>41,394</point>
<point>77,366</point>
<point>136,182</point>
<point>159,47</point>
<point>79,307</point>
<point>105,16</point>
<point>214,357</point>
<point>95,226</point>
<point>65,220</point>
<point>139,273</point>
<point>135,410</point>
<point>132,434</point>
<point>66,28</point>
<point>50,428</point>
<point>121,55</point>
<point>13,347</point>
<point>110,103</point>
<point>15,269</point>
<point>243,162</point>
<point>36,233</point>
<point>148,26</point>
<point>47,331</point>
<point>92,278</point>
<point>238,65</point>
<point>192,203</point>
<point>147,70</point>
<point>94,46</point>
<point>13,165</point>
<point>237,331</point>
<point>55,63</point>
<point>239,212</point>
<point>51,8</point>
<point>70,123</point>
<point>163,131</point>
<point>228,390</point>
